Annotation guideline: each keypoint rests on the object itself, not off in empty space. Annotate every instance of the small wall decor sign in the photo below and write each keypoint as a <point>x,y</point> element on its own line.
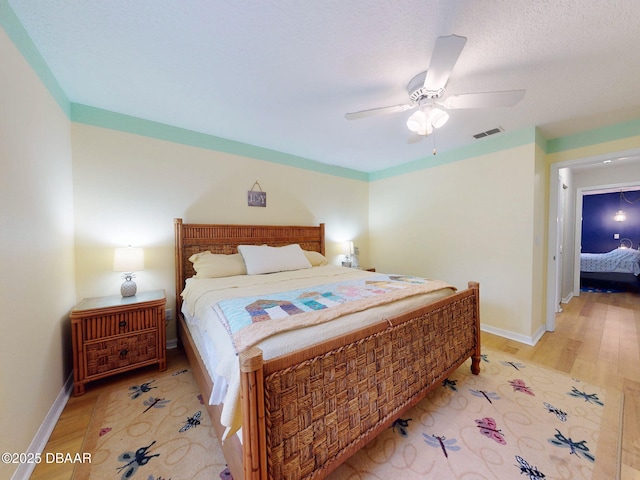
<point>256,198</point>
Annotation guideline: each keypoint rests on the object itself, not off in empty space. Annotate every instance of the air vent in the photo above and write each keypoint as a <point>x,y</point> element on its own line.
<point>493,131</point>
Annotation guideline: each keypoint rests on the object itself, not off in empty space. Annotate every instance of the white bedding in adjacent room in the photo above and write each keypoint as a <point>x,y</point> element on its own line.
<point>216,348</point>
<point>622,260</point>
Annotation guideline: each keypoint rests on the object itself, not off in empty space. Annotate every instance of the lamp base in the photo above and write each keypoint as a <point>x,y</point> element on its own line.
<point>128,288</point>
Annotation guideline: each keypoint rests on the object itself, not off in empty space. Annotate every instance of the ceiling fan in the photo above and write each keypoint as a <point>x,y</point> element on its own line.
<point>427,92</point>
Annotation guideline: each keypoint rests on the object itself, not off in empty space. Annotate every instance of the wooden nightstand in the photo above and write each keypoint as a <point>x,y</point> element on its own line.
<point>115,334</point>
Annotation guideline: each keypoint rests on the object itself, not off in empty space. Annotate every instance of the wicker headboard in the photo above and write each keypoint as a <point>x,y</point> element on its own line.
<point>193,238</point>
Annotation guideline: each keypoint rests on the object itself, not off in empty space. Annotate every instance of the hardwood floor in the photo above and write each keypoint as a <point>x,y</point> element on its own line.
<point>597,339</point>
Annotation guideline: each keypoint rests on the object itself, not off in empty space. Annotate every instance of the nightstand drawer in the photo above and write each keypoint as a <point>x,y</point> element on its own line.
<point>103,326</point>
<point>120,352</point>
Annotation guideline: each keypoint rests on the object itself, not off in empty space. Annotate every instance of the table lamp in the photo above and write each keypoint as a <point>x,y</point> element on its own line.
<point>128,260</point>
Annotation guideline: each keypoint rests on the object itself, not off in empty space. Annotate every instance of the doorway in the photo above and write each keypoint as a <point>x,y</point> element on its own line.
<point>565,219</point>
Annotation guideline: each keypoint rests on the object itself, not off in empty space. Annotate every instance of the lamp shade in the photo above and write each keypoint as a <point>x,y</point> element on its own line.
<point>423,122</point>
<point>128,259</point>
<point>417,121</point>
<point>349,248</point>
<point>438,117</point>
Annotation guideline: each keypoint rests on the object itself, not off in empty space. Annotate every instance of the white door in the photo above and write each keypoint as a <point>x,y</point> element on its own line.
<point>562,188</point>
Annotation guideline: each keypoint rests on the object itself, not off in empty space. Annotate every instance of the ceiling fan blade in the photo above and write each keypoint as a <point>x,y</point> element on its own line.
<point>380,111</point>
<point>443,59</point>
<point>506,98</point>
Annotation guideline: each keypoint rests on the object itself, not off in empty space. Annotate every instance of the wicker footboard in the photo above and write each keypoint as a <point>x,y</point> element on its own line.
<point>305,413</point>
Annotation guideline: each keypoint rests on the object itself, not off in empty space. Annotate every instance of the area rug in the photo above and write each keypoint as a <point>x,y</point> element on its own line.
<point>515,418</point>
<point>157,429</point>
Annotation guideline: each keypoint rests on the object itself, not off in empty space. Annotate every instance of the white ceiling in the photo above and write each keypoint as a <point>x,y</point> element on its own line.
<point>281,74</point>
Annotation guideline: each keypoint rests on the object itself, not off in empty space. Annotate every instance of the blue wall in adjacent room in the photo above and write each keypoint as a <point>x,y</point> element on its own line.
<point>599,227</point>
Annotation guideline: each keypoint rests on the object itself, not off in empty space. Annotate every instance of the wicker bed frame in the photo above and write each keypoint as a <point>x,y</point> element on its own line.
<point>306,412</point>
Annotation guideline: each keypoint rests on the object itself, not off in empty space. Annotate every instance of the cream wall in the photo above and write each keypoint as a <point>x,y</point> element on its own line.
<point>129,188</point>
<point>475,219</point>
<point>37,286</point>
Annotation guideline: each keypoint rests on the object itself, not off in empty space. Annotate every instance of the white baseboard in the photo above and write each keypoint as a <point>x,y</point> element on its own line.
<point>568,298</point>
<point>527,340</point>
<point>172,344</point>
<point>24,471</point>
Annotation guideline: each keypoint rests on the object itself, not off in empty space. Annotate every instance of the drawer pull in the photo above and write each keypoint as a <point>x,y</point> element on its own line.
<point>123,323</point>
<point>123,353</point>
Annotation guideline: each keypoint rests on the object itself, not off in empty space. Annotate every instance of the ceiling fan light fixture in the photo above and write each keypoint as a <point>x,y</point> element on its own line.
<point>427,130</point>
<point>438,117</point>
<point>427,94</point>
<point>418,121</point>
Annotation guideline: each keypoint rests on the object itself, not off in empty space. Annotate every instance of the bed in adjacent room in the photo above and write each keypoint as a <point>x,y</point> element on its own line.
<point>618,268</point>
<point>302,363</point>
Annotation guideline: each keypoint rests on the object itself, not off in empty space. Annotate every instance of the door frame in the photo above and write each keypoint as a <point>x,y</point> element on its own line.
<point>552,234</point>
<point>580,193</point>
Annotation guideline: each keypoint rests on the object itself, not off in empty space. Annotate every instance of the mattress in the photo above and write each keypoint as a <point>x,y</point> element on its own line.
<point>217,350</point>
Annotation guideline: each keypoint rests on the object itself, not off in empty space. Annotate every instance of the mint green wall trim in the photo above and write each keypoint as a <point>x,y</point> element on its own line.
<point>592,137</point>
<point>501,141</point>
<point>125,123</point>
<point>19,36</point>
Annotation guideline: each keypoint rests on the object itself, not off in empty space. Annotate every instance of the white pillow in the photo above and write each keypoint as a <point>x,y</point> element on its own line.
<point>264,259</point>
<point>214,265</point>
<point>316,259</point>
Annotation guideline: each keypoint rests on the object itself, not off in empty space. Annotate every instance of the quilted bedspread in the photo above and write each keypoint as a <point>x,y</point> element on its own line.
<point>248,320</point>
